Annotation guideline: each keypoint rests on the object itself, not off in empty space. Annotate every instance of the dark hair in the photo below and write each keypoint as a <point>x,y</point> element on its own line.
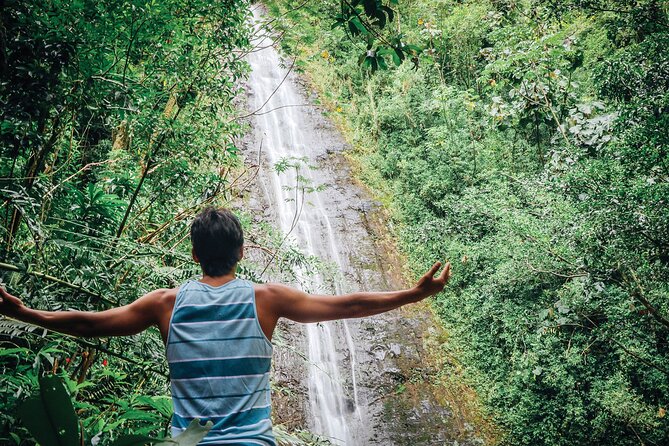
<point>216,236</point>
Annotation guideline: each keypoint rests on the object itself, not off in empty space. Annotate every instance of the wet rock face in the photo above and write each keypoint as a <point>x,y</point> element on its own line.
<point>410,414</point>
<point>412,403</point>
<point>289,393</point>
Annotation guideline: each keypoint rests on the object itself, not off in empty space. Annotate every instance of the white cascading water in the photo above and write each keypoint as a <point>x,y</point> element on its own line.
<point>280,110</point>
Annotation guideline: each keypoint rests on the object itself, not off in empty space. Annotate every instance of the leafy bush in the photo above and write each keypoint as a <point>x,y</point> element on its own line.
<point>118,123</point>
<point>529,147</point>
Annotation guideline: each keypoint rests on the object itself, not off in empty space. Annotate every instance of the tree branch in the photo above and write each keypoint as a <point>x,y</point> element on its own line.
<point>14,268</point>
<point>638,293</point>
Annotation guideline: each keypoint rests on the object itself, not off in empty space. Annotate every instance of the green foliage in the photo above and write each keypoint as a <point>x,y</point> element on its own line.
<point>529,148</point>
<point>50,418</point>
<point>117,124</point>
<point>49,415</point>
<point>369,19</point>
<point>298,438</point>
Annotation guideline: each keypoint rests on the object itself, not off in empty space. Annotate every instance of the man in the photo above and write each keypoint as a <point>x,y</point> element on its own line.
<point>217,330</point>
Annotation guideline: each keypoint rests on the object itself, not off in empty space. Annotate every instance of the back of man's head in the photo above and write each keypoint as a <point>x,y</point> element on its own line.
<point>217,238</point>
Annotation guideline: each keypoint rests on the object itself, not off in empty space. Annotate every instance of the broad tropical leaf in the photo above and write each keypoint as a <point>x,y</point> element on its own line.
<point>49,415</point>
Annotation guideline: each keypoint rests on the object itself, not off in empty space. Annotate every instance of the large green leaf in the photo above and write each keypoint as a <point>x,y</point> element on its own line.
<point>49,416</point>
<point>162,404</point>
<point>140,415</point>
<point>191,436</point>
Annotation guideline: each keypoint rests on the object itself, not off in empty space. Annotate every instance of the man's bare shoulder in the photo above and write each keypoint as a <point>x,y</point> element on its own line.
<point>167,295</point>
<point>275,293</point>
<point>162,299</point>
<point>161,294</point>
<point>273,300</point>
<point>273,289</point>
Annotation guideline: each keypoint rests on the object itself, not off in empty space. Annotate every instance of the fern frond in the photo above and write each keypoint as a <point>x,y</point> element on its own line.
<point>14,328</point>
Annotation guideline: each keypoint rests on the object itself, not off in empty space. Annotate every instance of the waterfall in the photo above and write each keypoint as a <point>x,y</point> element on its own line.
<point>281,110</point>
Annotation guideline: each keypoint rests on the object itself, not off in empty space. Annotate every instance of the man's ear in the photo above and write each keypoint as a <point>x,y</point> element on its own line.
<point>192,253</point>
<point>241,252</point>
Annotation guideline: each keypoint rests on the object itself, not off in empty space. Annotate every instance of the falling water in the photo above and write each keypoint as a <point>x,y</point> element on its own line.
<point>281,110</point>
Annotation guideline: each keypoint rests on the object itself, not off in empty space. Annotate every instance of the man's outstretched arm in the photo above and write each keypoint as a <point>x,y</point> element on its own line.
<point>127,320</point>
<point>302,307</point>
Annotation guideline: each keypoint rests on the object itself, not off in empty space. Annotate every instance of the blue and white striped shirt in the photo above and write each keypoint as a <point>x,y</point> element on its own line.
<point>219,361</point>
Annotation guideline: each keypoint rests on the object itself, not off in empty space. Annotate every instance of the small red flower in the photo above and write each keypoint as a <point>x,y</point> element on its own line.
<point>104,363</point>
<point>67,360</point>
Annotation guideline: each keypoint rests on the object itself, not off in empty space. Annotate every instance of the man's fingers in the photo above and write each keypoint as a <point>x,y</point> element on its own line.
<point>430,274</point>
<point>446,273</point>
<point>6,297</point>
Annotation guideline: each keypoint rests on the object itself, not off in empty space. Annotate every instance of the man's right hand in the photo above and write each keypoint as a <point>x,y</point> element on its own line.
<point>429,285</point>
<point>9,305</point>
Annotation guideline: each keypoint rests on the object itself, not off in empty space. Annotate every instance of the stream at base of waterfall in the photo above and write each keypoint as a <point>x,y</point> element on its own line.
<point>349,389</point>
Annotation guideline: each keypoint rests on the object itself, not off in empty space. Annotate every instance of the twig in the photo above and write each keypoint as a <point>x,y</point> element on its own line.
<point>287,106</point>
<point>553,253</point>
<point>364,23</point>
<point>566,276</point>
<point>116,355</point>
<point>626,350</point>
<point>86,167</point>
<point>270,96</point>
<point>296,217</point>
<point>645,361</point>
<point>262,248</point>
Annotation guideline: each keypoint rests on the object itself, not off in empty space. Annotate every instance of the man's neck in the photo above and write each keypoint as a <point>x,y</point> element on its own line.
<point>218,280</point>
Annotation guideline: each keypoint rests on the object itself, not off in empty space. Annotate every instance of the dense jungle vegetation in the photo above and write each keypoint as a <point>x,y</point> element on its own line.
<point>117,124</point>
<point>527,141</point>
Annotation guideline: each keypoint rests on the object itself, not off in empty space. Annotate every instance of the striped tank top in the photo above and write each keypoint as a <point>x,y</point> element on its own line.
<point>219,360</point>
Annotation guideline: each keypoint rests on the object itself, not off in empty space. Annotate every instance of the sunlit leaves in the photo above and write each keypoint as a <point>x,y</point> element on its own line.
<point>369,19</point>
